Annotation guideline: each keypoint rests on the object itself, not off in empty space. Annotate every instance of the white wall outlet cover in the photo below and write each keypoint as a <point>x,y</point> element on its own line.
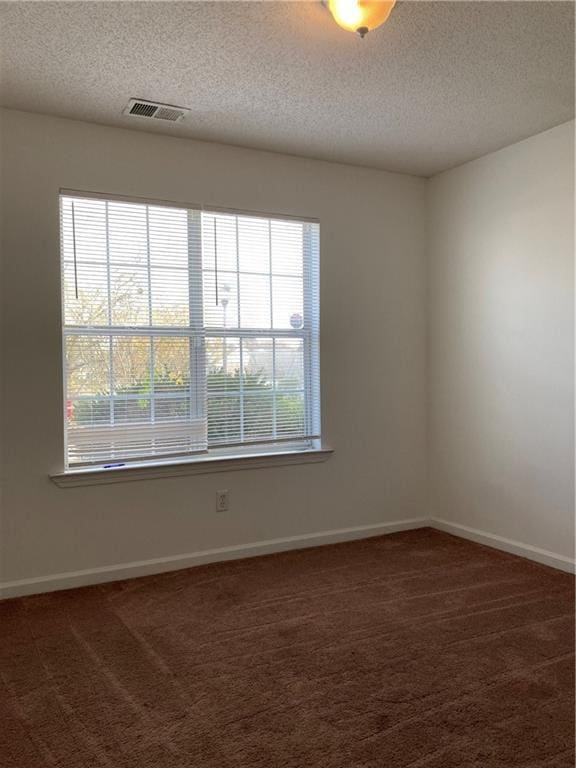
<point>222,501</point>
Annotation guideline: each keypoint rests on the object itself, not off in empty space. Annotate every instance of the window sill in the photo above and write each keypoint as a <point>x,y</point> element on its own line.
<point>199,466</point>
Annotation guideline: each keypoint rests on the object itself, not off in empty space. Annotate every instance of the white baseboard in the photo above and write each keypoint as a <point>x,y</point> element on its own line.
<point>507,545</point>
<point>71,579</point>
<point>83,578</point>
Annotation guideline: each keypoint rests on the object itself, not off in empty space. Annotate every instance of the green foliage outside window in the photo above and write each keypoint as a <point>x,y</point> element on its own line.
<point>228,409</point>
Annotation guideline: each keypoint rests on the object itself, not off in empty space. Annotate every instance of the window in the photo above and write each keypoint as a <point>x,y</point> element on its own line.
<point>186,331</point>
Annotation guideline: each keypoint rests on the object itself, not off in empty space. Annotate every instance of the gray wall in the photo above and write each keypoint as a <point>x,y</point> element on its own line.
<point>373,350</point>
<point>501,352</point>
<point>447,381</point>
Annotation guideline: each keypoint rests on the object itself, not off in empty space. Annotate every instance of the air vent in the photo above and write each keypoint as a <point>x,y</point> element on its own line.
<point>155,110</point>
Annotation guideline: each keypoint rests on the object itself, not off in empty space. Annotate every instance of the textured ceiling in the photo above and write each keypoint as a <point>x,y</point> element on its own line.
<point>439,84</point>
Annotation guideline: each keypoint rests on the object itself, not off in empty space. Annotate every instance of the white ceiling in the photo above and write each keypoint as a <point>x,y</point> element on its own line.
<point>439,84</point>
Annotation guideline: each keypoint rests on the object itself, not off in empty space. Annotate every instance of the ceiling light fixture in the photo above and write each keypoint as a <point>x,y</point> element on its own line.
<point>360,15</point>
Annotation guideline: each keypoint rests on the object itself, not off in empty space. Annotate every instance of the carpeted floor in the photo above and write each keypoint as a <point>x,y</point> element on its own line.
<point>415,649</point>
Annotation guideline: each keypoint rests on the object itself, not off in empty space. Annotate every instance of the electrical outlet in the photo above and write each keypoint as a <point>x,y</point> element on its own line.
<point>222,501</point>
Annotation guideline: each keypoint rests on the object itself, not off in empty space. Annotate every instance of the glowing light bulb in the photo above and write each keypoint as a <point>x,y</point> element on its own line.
<point>360,15</point>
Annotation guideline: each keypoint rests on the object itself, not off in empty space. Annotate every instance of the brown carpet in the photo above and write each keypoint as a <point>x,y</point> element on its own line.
<point>415,649</point>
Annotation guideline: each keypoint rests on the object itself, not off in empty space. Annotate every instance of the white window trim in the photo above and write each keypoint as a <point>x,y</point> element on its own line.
<point>208,461</point>
<point>205,464</point>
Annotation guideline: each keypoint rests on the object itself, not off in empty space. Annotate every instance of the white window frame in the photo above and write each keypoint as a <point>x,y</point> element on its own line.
<point>256,450</point>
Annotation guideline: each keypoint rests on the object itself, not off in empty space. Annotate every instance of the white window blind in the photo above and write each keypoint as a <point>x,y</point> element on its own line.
<point>186,331</point>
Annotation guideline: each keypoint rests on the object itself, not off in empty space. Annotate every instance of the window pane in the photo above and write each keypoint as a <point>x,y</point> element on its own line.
<point>253,244</point>
<point>223,389</point>
<point>287,250</point>
<point>172,409</point>
<point>289,364</point>
<point>129,295</point>
<point>258,416</point>
<point>258,364</point>
<point>130,411</point>
<point>93,411</point>
<point>131,361</point>
<point>223,366</point>
<point>87,365</point>
<point>87,380</point>
<point>254,301</point>
<point>219,242</point>
<point>86,239</point>
<point>127,234</point>
<point>290,414</point>
<point>168,231</point>
<point>131,365</point>
<point>223,419</point>
<point>171,365</point>
<point>288,302</point>
<point>90,307</point>
<point>170,297</point>
<point>223,314</point>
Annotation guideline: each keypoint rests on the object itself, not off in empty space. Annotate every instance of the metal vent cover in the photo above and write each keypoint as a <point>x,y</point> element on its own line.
<point>155,110</point>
